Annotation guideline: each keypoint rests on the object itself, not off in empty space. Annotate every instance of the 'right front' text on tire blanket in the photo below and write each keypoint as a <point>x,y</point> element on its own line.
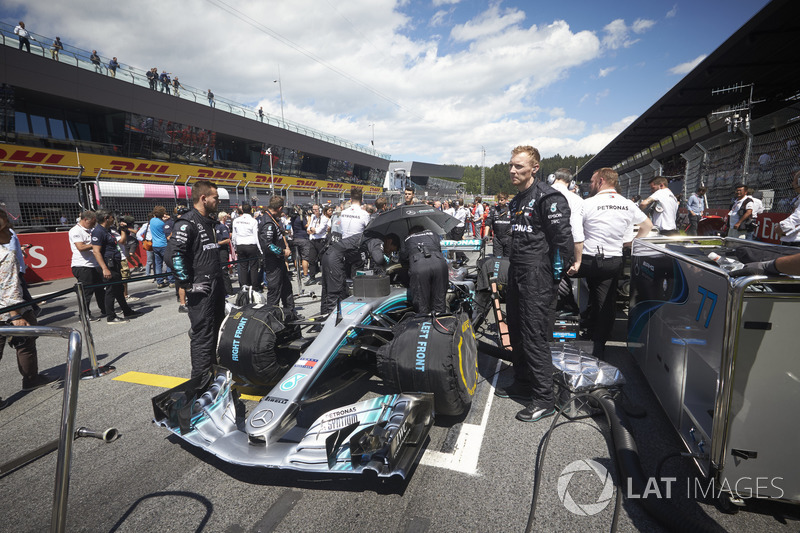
<point>433,355</point>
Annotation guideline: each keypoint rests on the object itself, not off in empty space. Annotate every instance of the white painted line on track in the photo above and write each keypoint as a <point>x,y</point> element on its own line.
<point>468,444</point>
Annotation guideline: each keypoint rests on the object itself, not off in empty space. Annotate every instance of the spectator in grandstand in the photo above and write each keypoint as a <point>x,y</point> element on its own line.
<point>108,256</point>
<point>152,78</point>
<point>95,59</point>
<point>696,206</point>
<point>176,86</point>
<point>194,256</point>
<point>790,226</point>
<point>156,230</point>
<point>113,65</point>
<point>665,208</point>
<point>210,96</point>
<point>165,81</point>
<point>740,217</point>
<point>11,294</point>
<point>55,48</point>
<point>261,114</point>
<point>84,265</point>
<point>248,250</point>
<point>23,35</point>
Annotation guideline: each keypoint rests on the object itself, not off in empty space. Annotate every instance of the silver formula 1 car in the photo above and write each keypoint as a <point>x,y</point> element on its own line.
<point>308,420</point>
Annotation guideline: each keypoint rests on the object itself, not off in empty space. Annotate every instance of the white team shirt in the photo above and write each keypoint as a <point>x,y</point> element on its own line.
<point>320,225</point>
<point>245,230</point>
<point>461,215</point>
<point>450,211</point>
<point>733,214</point>
<point>353,220</point>
<point>665,219</point>
<point>81,259</point>
<point>791,224</point>
<point>608,219</point>
<point>575,210</point>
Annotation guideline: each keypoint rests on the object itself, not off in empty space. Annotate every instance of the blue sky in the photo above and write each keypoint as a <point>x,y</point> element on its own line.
<point>439,79</point>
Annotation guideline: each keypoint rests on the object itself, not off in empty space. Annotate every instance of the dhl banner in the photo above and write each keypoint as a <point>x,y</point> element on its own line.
<point>48,161</point>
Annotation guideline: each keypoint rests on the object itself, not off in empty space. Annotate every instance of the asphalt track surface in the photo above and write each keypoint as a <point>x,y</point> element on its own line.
<point>476,472</point>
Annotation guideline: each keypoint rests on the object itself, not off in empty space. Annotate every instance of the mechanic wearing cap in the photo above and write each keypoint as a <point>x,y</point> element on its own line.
<point>276,249</point>
<point>500,223</point>
<point>608,219</point>
<point>427,269</point>
<point>193,254</point>
<point>339,258</point>
<point>541,252</point>
<point>666,208</point>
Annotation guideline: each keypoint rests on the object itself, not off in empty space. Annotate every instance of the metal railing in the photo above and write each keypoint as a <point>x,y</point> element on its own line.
<point>40,45</point>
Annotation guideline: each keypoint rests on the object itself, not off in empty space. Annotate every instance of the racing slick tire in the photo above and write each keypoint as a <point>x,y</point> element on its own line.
<point>249,339</point>
<point>433,355</point>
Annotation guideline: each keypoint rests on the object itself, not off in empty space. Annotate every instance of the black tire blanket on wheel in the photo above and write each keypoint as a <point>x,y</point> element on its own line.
<point>249,339</point>
<point>433,355</point>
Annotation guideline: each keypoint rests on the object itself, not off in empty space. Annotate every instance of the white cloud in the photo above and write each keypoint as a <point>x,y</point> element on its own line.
<point>642,25</point>
<point>602,94</point>
<point>438,18</point>
<point>685,68</point>
<point>438,3</point>
<point>672,12</point>
<point>618,34</point>
<point>605,72</point>
<point>425,103</point>
<point>489,23</point>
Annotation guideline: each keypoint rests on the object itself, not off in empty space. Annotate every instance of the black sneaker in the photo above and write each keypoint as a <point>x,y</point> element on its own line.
<point>3,404</point>
<point>183,309</point>
<point>39,381</point>
<point>310,281</point>
<point>514,391</point>
<point>95,318</point>
<point>117,320</point>
<point>133,314</point>
<point>533,413</point>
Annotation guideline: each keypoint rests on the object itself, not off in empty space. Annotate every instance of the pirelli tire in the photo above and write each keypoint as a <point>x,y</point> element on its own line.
<point>249,343</point>
<point>438,356</point>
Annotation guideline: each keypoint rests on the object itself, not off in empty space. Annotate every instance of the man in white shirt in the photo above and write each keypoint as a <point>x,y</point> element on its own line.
<point>666,209</point>
<point>741,213</point>
<point>318,226</point>
<point>83,263</point>
<point>758,208</point>
<point>790,226</point>
<point>23,35</point>
<point>244,237</point>
<point>354,219</point>
<point>608,218</point>
<point>448,208</point>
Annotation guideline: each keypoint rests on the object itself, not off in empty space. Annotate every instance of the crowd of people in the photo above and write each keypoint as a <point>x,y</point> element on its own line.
<point>549,234</point>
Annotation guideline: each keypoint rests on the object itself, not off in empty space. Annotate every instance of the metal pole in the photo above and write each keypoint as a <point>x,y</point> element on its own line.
<point>483,171</point>
<point>271,174</point>
<point>83,311</point>
<point>64,461</point>
<point>280,88</point>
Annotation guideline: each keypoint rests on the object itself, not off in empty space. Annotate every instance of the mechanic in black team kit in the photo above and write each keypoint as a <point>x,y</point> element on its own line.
<point>276,249</point>
<point>541,252</point>
<point>427,269</point>
<point>193,255</point>
<point>340,257</point>
<point>500,222</point>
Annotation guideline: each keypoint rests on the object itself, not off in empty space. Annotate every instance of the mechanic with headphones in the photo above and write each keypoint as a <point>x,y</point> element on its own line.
<point>608,219</point>
<point>427,269</point>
